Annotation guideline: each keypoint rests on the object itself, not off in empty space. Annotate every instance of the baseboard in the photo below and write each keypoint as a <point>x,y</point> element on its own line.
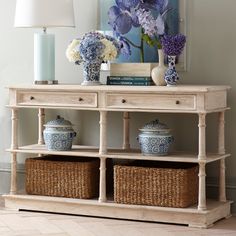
<point>213,186</point>
<point>6,167</point>
<point>213,182</point>
<point>5,177</point>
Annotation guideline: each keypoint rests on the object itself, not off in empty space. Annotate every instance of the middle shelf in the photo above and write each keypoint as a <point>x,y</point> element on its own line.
<point>132,154</point>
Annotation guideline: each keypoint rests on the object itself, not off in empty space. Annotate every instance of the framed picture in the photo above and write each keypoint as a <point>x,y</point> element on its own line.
<point>175,21</point>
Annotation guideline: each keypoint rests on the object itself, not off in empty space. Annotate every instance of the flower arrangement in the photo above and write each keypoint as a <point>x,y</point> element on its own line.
<point>173,45</point>
<point>139,13</point>
<point>93,47</point>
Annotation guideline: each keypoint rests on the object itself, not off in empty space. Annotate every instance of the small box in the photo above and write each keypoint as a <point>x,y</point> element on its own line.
<point>62,176</point>
<point>164,184</point>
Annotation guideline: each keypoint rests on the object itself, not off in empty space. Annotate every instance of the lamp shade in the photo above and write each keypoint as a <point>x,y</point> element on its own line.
<point>44,13</point>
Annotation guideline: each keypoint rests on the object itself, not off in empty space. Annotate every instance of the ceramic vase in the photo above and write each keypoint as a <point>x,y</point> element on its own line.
<point>155,139</point>
<point>58,134</point>
<point>158,72</point>
<point>91,73</point>
<point>171,75</point>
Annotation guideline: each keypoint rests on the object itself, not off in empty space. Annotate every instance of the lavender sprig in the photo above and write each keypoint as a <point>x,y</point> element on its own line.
<point>173,45</point>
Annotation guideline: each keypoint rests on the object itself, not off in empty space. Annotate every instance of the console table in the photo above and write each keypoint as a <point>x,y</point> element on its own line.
<point>199,100</point>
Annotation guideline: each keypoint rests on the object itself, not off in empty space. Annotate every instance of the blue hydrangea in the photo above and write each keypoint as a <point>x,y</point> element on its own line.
<point>91,49</point>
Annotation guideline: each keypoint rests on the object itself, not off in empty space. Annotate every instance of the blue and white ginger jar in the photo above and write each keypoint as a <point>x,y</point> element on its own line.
<point>58,134</point>
<point>91,72</point>
<point>155,139</point>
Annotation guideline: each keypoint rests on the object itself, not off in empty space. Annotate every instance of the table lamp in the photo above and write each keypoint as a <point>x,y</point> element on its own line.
<point>44,14</point>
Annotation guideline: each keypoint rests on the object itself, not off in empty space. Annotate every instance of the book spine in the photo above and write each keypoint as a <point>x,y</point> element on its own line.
<point>129,78</point>
<point>132,83</point>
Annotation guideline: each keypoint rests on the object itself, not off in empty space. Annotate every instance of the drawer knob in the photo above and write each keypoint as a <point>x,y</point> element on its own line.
<point>177,102</point>
<point>81,99</point>
<point>31,98</point>
<point>123,101</point>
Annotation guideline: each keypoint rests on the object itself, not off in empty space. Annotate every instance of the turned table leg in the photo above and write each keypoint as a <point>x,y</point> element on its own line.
<point>126,119</point>
<point>41,121</point>
<point>103,132</point>
<point>221,151</point>
<point>202,186</point>
<point>103,150</point>
<point>102,182</point>
<point>202,164</point>
<point>201,136</point>
<point>14,145</point>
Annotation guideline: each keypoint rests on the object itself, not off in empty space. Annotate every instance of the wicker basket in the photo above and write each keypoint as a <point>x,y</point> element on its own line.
<point>71,177</point>
<point>156,184</point>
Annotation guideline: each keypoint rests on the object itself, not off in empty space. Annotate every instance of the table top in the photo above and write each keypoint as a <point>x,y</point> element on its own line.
<point>114,88</point>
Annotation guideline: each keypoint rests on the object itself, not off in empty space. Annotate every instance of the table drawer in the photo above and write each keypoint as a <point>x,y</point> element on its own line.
<point>57,99</point>
<point>146,101</point>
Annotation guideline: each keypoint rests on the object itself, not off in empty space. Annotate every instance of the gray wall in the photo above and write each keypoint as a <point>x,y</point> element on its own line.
<point>211,60</point>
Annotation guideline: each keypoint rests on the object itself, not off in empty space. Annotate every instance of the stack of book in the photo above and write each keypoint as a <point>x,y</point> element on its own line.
<point>130,80</point>
<point>131,69</point>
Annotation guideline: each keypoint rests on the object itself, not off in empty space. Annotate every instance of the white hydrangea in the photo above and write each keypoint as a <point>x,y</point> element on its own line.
<point>110,51</point>
<point>71,53</point>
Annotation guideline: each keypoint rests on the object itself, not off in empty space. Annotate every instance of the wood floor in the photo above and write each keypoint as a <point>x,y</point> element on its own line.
<point>44,224</point>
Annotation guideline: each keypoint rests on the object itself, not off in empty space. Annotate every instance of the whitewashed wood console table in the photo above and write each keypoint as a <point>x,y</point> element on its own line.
<point>199,100</point>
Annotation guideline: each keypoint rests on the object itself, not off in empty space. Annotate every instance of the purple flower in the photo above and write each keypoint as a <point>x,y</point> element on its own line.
<point>126,14</point>
<point>150,25</point>
<point>122,16</point>
<point>159,5</point>
<point>148,4</point>
<point>147,21</point>
<point>173,45</point>
<point>162,6</point>
<point>127,4</point>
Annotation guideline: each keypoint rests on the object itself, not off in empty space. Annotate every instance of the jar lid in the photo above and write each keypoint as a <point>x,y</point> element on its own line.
<point>58,122</point>
<point>155,125</point>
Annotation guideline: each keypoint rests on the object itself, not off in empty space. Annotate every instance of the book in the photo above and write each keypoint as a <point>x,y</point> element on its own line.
<point>129,78</point>
<point>130,82</point>
<point>131,69</point>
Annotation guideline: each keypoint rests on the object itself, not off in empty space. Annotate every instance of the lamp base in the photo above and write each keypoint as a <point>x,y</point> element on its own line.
<point>44,58</point>
<point>46,82</point>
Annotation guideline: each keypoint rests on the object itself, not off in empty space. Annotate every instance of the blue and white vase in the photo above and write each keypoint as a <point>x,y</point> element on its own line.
<point>171,75</point>
<point>58,134</point>
<point>155,139</point>
<point>91,73</point>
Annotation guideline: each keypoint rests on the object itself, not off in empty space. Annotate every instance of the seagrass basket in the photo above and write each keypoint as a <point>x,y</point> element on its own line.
<point>62,176</point>
<point>156,184</point>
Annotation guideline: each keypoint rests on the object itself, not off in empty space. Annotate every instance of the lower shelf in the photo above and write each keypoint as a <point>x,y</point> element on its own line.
<point>188,216</point>
<point>90,151</point>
